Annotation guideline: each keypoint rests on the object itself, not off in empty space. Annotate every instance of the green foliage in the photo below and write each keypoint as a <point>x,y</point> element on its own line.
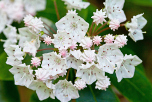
<point>90,94</point>
<point>136,89</point>
<point>8,92</point>
<point>4,68</point>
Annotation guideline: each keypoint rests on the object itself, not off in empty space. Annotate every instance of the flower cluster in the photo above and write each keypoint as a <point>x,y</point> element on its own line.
<point>15,10</point>
<point>90,56</point>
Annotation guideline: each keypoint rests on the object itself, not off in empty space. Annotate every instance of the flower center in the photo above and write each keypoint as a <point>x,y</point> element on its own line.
<point>58,61</point>
<point>73,25</point>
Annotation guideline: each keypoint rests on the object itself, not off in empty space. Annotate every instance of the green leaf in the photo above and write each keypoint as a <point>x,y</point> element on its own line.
<point>8,92</point>
<point>90,94</point>
<point>4,68</point>
<point>136,89</point>
<point>141,2</point>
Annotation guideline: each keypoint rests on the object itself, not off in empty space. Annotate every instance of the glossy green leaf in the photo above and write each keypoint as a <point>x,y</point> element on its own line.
<point>90,94</point>
<point>4,68</point>
<point>136,89</point>
<point>8,92</point>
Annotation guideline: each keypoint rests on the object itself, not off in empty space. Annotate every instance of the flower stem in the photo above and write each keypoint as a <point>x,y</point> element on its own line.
<point>102,31</point>
<point>45,49</point>
<point>50,27</point>
<point>101,27</point>
<point>56,9</point>
<point>94,30</point>
<point>49,32</point>
<point>68,74</point>
<point>90,31</point>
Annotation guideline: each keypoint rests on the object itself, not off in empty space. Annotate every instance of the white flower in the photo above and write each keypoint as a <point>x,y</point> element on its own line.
<point>74,25</point>
<point>11,33</point>
<point>72,62</point>
<point>76,4</point>
<point>73,45</point>
<point>25,35</point>
<point>65,91</point>
<point>109,38</point>
<point>86,42</point>
<point>114,24</point>
<point>114,10</point>
<point>90,72</point>
<point>102,84</point>
<point>63,73</point>
<point>11,60</point>
<point>22,74</point>
<point>27,19</point>
<point>137,23</point>
<point>88,56</point>
<point>99,17</point>
<point>76,53</point>
<point>62,40</point>
<point>127,67</point>
<point>63,53</point>
<point>36,61</point>
<point>37,5</point>
<point>54,63</point>
<point>80,84</point>
<point>43,90</point>
<point>97,40</point>
<point>30,47</point>
<point>3,20</point>
<point>109,56</point>
<point>42,74</point>
<point>48,40</point>
<point>36,25</point>
<point>121,40</point>
<point>14,51</point>
<point>15,11</point>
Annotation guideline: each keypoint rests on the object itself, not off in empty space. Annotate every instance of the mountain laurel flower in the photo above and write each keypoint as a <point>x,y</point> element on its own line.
<point>86,43</point>
<point>137,23</point>
<point>73,45</point>
<point>48,40</point>
<point>111,56</point>
<point>76,4</point>
<point>36,61</point>
<point>63,53</point>
<point>42,74</point>
<point>65,91</point>
<point>80,84</point>
<point>121,40</point>
<point>90,72</point>
<point>127,67</point>
<point>88,56</point>
<point>27,19</point>
<point>97,40</point>
<point>114,24</point>
<point>74,25</point>
<point>102,84</point>
<point>113,9</point>
<point>62,40</point>
<point>99,16</point>
<point>36,25</point>
<point>22,74</point>
<point>54,63</point>
<point>109,38</point>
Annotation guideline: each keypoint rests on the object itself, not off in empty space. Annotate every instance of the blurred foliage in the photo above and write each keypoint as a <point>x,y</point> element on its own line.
<point>135,89</point>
